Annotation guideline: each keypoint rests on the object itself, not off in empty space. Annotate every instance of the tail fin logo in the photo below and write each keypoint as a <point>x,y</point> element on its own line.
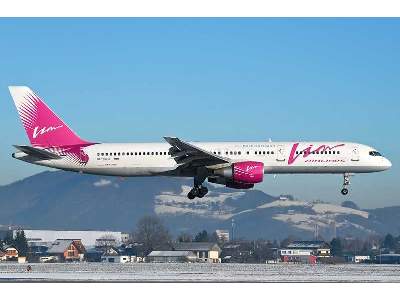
<point>43,127</point>
<point>37,131</point>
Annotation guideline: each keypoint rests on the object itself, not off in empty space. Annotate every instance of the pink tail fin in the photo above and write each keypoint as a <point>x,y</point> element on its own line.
<point>43,127</point>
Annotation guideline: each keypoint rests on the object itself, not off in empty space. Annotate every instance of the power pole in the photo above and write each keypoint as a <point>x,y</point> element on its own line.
<point>316,232</point>
<point>233,229</point>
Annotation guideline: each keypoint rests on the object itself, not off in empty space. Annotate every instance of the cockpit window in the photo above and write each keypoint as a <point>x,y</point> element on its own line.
<point>374,153</point>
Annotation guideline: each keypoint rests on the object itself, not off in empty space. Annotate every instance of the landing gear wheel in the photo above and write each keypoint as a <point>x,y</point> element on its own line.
<point>202,192</point>
<point>344,191</point>
<point>197,191</point>
<point>191,195</point>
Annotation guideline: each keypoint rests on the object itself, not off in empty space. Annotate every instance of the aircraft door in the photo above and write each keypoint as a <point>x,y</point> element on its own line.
<point>355,155</point>
<point>280,153</point>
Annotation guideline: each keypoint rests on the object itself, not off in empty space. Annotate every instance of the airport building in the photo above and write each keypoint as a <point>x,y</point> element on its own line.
<point>317,248</point>
<point>205,252</point>
<point>223,235</point>
<point>171,256</point>
<point>88,238</point>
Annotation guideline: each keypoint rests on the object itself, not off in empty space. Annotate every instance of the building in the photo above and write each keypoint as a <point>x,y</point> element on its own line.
<point>67,250</point>
<point>223,235</point>
<point>89,237</point>
<point>11,253</point>
<point>113,255</point>
<point>171,257</point>
<point>387,259</point>
<point>319,249</point>
<point>298,256</point>
<point>357,258</point>
<point>205,252</point>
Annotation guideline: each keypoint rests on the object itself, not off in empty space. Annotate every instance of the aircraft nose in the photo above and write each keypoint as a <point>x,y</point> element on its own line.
<point>387,164</point>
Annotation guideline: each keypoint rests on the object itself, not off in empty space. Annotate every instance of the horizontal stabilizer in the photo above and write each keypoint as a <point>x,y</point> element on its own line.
<point>36,152</point>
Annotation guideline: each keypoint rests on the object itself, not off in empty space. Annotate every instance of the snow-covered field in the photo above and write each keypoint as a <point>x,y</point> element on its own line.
<point>200,272</point>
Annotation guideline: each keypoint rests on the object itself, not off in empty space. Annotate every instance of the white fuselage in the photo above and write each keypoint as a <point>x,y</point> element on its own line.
<point>150,159</point>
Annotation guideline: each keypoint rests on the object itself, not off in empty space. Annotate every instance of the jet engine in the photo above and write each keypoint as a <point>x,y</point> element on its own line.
<point>242,175</point>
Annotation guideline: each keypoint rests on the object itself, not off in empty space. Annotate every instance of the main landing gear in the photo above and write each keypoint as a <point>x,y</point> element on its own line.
<point>199,190</point>
<point>346,183</point>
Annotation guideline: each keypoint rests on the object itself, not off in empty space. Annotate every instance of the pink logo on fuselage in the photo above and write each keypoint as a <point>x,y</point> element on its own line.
<point>308,150</point>
<point>43,130</point>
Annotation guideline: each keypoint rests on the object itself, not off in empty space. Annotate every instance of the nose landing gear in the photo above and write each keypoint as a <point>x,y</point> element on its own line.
<point>346,183</point>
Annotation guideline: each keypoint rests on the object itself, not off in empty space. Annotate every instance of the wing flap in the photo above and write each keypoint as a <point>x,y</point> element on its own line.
<point>185,153</point>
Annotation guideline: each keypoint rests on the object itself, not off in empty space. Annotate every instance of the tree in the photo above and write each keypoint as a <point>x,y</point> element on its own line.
<point>336,247</point>
<point>21,243</point>
<point>202,236</point>
<point>389,242</point>
<point>151,232</point>
<point>9,240</point>
<point>184,238</point>
<point>350,204</point>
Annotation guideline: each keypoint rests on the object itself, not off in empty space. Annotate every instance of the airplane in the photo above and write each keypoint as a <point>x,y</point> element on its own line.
<point>237,165</point>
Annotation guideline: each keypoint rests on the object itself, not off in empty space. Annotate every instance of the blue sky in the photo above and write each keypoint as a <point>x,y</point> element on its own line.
<point>132,80</point>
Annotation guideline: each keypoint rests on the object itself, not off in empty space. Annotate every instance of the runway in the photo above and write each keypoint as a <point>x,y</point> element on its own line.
<point>149,272</point>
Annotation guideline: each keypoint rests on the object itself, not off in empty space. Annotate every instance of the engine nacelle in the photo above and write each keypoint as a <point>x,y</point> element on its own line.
<point>245,172</point>
<point>238,185</point>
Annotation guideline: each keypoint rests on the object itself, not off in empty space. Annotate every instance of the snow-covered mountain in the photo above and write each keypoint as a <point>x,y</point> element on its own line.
<point>66,200</point>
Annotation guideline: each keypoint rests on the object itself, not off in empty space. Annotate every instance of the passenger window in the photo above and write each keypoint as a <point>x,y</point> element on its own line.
<point>264,152</point>
<point>240,153</point>
<point>98,154</point>
<point>219,152</point>
<point>272,152</point>
<point>226,152</point>
<point>235,153</point>
<point>106,153</point>
<point>102,154</point>
<point>248,152</point>
<point>338,152</point>
<point>156,153</point>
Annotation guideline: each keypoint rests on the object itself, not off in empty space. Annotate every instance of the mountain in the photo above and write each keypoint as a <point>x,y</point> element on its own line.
<point>66,200</point>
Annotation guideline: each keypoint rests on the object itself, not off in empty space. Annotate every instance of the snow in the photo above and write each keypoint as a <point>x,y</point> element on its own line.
<point>326,208</point>
<point>284,203</point>
<point>170,203</point>
<point>214,206</point>
<point>102,182</point>
<point>184,272</point>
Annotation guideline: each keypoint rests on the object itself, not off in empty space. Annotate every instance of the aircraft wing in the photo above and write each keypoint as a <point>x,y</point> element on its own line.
<point>36,152</point>
<point>186,154</point>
